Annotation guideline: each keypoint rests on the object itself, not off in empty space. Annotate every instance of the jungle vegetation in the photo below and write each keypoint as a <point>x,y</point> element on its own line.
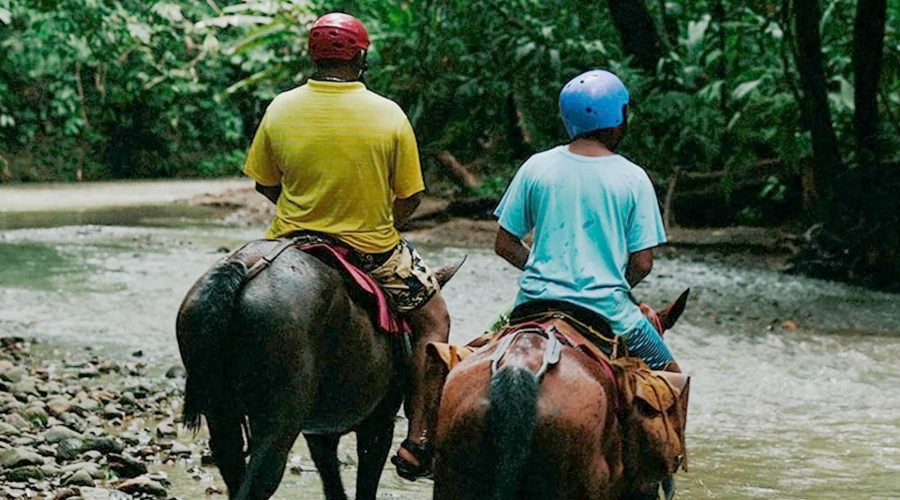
<point>744,111</point>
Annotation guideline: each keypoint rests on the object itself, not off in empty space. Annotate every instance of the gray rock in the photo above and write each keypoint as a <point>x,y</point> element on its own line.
<point>18,422</point>
<point>112,411</point>
<point>24,388</point>
<point>59,433</point>
<point>50,470</point>
<point>179,450</point>
<point>128,399</point>
<point>86,406</point>
<point>101,494</point>
<point>93,469</point>
<point>13,373</point>
<point>69,449</point>
<point>166,431</point>
<point>58,405</point>
<point>104,444</point>
<point>19,457</point>
<point>78,478</point>
<point>65,493</point>
<point>36,415</point>
<point>125,466</point>
<point>92,455</point>
<point>25,473</point>
<point>175,372</point>
<point>7,429</point>
<point>143,484</point>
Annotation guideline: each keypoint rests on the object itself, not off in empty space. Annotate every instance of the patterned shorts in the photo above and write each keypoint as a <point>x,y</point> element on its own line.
<point>402,274</point>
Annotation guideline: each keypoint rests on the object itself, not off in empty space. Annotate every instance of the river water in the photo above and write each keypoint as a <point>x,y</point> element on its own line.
<point>795,390</point>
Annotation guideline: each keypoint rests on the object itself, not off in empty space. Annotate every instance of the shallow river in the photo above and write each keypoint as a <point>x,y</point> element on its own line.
<point>795,391</point>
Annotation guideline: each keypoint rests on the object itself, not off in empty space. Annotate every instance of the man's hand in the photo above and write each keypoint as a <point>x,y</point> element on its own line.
<point>639,266</point>
<point>511,248</point>
<point>404,208</point>
<point>270,192</point>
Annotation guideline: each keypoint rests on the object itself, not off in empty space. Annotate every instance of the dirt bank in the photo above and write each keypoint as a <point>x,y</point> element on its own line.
<point>769,247</point>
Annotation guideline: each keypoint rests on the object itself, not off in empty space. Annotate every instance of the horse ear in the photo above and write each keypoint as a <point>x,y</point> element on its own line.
<point>444,274</point>
<point>670,315</point>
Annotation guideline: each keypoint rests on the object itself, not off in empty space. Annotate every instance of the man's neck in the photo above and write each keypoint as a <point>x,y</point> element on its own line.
<point>587,147</point>
<point>337,75</point>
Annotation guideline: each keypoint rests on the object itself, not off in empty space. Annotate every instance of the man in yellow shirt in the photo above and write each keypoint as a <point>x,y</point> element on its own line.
<point>339,159</point>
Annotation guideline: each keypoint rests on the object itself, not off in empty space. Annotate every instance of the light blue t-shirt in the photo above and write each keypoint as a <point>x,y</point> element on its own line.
<point>588,214</point>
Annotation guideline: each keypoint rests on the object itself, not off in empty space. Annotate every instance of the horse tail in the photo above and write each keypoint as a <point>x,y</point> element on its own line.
<point>204,337</point>
<point>512,417</point>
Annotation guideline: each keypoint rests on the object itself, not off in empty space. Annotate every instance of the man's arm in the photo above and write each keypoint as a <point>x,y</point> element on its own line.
<point>404,208</point>
<point>270,192</point>
<point>511,248</point>
<point>639,265</point>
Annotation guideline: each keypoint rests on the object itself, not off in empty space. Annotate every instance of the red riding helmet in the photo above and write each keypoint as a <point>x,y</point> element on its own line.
<point>337,36</point>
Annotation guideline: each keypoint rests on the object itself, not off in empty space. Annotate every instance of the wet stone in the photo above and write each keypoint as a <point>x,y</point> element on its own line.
<point>57,406</point>
<point>25,473</point>
<point>7,429</point>
<point>65,493</point>
<point>104,444</point>
<point>126,466</point>
<point>112,411</point>
<point>87,406</point>
<point>102,494</point>
<point>143,484</point>
<point>18,421</point>
<point>78,478</point>
<point>180,450</point>
<point>59,433</point>
<point>175,372</point>
<point>69,449</point>
<point>18,457</point>
<point>36,415</point>
<point>166,431</point>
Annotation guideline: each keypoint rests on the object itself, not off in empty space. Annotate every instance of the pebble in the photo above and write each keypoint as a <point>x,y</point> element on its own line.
<point>79,478</point>
<point>55,422</point>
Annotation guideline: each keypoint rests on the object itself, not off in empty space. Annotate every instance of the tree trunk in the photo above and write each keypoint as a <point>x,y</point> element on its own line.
<point>635,26</point>
<point>868,51</point>
<point>827,158</point>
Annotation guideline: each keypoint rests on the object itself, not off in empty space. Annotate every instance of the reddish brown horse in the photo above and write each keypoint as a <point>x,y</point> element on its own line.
<point>288,351</point>
<point>543,430</point>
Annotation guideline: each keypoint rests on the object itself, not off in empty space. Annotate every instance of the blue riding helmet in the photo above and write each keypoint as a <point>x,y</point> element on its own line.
<point>592,101</point>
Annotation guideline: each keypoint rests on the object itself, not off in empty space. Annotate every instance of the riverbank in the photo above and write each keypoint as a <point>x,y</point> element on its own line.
<point>768,247</point>
<point>78,425</point>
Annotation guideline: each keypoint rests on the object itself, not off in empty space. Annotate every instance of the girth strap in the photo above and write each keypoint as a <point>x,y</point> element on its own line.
<point>552,350</point>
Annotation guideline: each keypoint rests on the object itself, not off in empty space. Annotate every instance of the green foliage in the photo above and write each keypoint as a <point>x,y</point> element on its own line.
<point>126,88</point>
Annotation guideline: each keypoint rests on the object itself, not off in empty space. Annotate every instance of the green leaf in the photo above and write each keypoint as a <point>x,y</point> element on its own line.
<point>696,31</point>
<point>524,50</point>
<point>233,20</point>
<point>140,31</point>
<point>169,11</point>
<point>5,16</point>
<point>745,88</point>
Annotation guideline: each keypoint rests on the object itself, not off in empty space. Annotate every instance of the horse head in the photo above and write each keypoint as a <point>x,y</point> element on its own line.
<point>652,410</point>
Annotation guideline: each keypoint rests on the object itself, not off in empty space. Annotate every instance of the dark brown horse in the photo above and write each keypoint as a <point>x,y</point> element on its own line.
<point>524,429</point>
<point>286,352</point>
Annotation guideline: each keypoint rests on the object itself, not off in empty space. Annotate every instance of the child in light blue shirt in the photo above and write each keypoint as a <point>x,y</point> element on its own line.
<point>594,214</point>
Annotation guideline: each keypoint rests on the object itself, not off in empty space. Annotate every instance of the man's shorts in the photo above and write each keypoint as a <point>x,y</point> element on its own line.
<point>402,274</point>
<point>646,343</point>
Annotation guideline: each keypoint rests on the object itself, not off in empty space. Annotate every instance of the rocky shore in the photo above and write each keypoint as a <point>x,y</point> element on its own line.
<point>78,426</point>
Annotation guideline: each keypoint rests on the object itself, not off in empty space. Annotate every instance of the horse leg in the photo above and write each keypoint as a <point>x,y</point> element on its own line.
<point>272,440</point>
<point>226,441</point>
<point>323,448</point>
<point>374,439</point>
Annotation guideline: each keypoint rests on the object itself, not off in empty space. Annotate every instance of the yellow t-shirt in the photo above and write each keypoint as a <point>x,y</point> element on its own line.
<point>341,154</point>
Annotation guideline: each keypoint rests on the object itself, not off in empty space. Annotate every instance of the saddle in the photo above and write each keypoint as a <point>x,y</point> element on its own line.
<point>656,401</point>
<point>338,256</point>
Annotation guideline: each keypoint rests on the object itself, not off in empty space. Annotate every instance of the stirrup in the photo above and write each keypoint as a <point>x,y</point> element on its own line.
<point>410,471</point>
